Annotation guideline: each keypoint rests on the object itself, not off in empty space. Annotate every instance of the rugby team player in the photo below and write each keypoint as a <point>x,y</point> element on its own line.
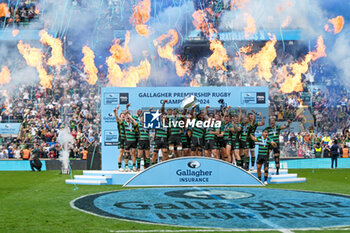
<point>131,127</point>
<point>121,138</point>
<point>143,143</point>
<point>264,143</point>
<point>274,134</point>
<point>232,142</point>
<point>253,125</point>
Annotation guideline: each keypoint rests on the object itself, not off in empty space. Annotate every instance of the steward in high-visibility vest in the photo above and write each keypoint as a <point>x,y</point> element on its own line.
<point>318,151</point>
<point>345,152</point>
<point>85,153</point>
<point>26,154</point>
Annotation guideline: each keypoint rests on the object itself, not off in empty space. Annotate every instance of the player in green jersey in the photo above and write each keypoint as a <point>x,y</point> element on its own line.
<point>220,148</point>
<point>185,136</point>
<point>210,135</point>
<point>175,132</point>
<point>274,134</point>
<point>225,129</point>
<point>197,134</point>
<point>235,131</point>
<point>121,136</point>
<point>130,126</point>
<point>161,138</point>
<point>220,137</point>
<point>227,137</point>
<point>197,137</point>
<point>244,145</point>
<point>253,125</point>
<point>264,143</point>
<point>186,142</point>
<point>143,143</point>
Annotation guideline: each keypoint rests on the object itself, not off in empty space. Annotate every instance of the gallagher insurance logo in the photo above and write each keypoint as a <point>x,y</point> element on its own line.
<point>193,164</point>
<point>109,117</point>
<point>230,208</point>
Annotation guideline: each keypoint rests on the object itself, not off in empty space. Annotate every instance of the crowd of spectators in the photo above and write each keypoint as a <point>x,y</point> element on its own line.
<point>322,108</point>
<point>18,13</point>
<point>43,112</point>
<point>72,103</point>
<point>313,145</point>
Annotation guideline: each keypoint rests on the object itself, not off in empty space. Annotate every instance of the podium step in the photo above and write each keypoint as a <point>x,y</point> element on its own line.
<point>272,171</point>
<point>87,182</point>
<point>88,177</point>
<point>99,173</point>
<point>286,181</point>
<point>284,176</point>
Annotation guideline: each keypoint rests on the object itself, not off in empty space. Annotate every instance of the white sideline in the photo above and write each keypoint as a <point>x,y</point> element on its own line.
<point>198,230</point>
<point>223,230</point>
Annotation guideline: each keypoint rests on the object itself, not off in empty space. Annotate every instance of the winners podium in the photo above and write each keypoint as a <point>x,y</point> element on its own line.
<point>185,171</point>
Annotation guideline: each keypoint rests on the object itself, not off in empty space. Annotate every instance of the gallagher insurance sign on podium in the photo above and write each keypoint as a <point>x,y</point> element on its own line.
<point>145,97</point>
<point>193,171</point>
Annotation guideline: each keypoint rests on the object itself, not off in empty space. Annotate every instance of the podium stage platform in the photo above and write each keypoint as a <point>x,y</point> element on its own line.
<point>100,177</point>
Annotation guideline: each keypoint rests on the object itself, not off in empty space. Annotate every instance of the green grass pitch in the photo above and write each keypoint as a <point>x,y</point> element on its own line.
<point>39,202</point>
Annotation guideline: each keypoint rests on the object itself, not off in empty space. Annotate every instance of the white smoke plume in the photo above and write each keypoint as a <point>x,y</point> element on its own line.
<point>66,140</point>
<point>340,56</point>
<point>84,23</point>
<point>271,14</point>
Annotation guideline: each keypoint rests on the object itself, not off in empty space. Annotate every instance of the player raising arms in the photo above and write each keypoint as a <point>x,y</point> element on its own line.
<point>274,133</point>
<point>197,134</point>
<point>244,146</point>
<point>236,130</point>
<point>264,143</point>
<point>220,147</point>
<point>226,127</point>
<point>186,140</point>
<point>210,135</point>
<point>130,126</point>
<point>121,136</point>
<point>143,143</point>
<point>253,124</point>
<point>161,138</point>
<point>175,133</point>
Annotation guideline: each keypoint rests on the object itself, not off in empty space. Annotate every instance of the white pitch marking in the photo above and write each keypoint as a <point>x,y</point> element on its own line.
<point>198,230</point>
<point>220,230</point>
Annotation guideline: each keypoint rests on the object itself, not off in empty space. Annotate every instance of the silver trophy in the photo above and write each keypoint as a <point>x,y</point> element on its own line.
<point>189,101</point>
